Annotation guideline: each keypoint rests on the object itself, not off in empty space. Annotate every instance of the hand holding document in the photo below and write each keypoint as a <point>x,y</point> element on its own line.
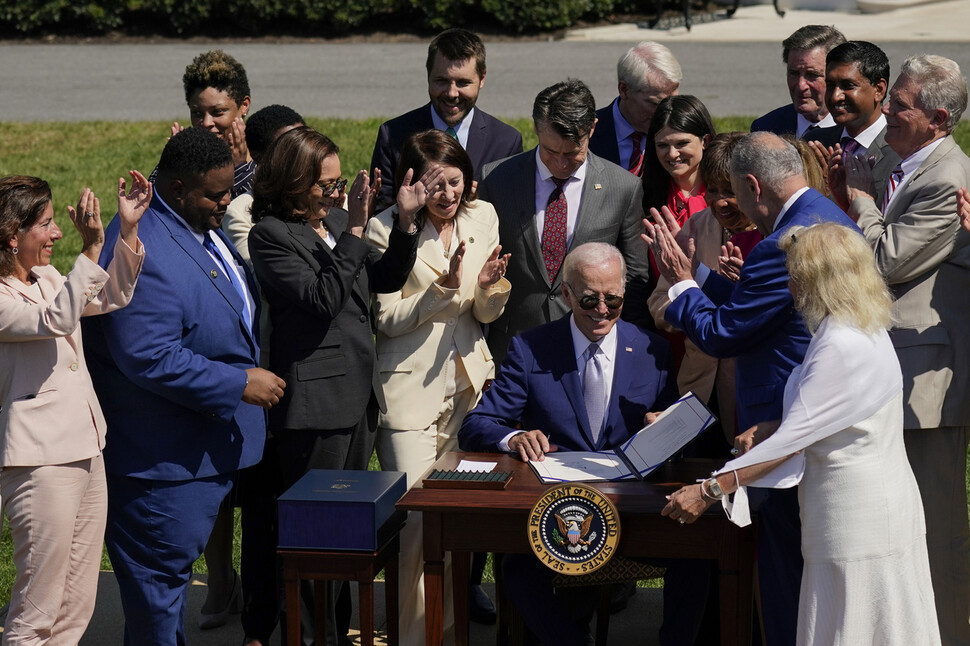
<point>648,449</point>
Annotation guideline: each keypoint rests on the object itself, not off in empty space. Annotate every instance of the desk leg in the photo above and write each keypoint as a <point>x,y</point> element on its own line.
<point>320,611</point>
<point>736,588</point>
<point>434,575</point>
<point>391,601</point>
<point>365,593</point>
<point>460,562</point>
<point>292,584</point>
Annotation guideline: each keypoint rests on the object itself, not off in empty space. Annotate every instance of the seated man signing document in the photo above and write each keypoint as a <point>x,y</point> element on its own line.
<point>584,382</point>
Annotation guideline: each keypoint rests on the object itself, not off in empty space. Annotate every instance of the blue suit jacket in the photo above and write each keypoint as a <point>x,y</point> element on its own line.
<point>488,140</point>
<point>603,142</point>
<point>755,319</point>
<point>539,388</point>
<point>169,369</point>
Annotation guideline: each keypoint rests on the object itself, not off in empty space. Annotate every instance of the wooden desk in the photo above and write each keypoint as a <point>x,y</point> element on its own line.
<point>464,520</point>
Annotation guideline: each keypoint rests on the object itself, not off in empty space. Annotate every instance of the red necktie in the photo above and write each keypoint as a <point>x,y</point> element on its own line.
<point>554,229</point>
<point>636,157</point>
<point>891,185</point>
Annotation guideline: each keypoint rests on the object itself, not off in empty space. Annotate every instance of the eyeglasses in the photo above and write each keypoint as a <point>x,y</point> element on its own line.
<point>337,185</point>
<point>590,301</point>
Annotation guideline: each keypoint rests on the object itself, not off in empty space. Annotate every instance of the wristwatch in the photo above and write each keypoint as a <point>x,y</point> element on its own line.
<point>714,488</point>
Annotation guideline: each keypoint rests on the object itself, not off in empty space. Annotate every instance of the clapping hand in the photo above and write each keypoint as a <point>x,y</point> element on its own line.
<point>236,138</point>
<point>675,265</point>
<point>87,220</point>
<point>963,208</point>
<point>494,268</point>
<point>453,277</point>
<point>360,201</point>
<point>730,261</point>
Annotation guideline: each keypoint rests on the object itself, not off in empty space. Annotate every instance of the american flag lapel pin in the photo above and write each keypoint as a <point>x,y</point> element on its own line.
<point>597,187</point>
<point>628,349</point>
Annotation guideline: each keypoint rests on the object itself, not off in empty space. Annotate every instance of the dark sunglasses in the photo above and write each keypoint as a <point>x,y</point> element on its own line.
<point>590,301</point>
<point>328,189</point>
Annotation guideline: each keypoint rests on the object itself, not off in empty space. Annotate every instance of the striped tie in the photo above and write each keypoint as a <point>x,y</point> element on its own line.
<point>895,179</point>
<point>636,156</point>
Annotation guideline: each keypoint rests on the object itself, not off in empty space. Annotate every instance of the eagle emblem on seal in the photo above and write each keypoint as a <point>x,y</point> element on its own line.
<point>574,530</point>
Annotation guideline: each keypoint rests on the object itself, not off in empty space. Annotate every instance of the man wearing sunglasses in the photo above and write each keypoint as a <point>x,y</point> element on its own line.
<point>584,382</point>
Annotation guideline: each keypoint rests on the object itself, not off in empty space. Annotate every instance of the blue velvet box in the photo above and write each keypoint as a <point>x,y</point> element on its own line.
<point>341,510</point>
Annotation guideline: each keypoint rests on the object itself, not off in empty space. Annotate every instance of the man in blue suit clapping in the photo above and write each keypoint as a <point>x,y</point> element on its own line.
<point>178,381</point>
<point>755,321</point>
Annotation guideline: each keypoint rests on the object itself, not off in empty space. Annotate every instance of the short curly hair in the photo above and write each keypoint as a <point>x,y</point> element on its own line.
<point>193,152</point>
<point>218,70</point>
<point>265,122</point>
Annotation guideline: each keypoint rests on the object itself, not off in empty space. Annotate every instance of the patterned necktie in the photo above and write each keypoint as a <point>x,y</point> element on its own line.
<point>451,133</point>
<point>892,183</point>
<point>850,146</point>
<point>554,229</point>
<point>213,250</point>
<point>594,389</point>
<point>636,156</point>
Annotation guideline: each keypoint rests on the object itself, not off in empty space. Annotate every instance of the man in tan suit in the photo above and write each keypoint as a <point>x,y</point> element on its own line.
<point>925,257</point>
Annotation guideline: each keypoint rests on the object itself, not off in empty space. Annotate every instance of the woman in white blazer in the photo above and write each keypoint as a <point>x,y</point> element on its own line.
<point>431,351</point>
<point>52,431</point>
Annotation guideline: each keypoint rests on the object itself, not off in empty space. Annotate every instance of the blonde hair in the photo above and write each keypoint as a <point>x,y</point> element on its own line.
<point>832,272</point>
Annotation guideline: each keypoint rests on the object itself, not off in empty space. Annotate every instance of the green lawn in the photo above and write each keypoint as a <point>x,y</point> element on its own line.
<point>72,156</point>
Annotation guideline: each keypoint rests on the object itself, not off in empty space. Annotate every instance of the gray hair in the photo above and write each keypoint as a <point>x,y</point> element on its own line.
<point>766,156</point>
<point>812,37</point>
<point>568,107</point>
<point>941,85</point>
<point>592,254</point>
<point>648,63</point>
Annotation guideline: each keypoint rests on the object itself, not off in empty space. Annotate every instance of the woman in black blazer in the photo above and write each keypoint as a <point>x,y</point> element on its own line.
<point>318,275</point>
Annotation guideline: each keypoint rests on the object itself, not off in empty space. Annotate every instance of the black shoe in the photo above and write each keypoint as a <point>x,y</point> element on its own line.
<point>480,607</point>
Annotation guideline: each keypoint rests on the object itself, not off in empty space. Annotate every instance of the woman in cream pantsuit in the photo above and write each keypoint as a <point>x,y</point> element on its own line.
<point>52,479</point>
<point>431,351</point>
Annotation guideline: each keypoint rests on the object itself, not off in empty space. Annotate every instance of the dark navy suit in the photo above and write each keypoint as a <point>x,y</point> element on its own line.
<point>539,388</point>
<point>784,121</point>
<point>170,370</point>
<point>603,142</point>
<point>755,321</point>
<point>488,140</point>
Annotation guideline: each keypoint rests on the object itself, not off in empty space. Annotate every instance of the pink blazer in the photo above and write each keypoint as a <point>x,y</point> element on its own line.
<point>49,413</point>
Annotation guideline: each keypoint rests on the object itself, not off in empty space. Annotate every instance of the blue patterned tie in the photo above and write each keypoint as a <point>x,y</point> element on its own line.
<point>594,390</point>
<point>213,250</point>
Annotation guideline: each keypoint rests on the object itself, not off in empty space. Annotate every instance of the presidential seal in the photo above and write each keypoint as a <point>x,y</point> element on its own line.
<point>574,529</point>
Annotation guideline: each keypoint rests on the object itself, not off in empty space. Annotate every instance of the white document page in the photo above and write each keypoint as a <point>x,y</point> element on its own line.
<point>475,466</point>
<point>580,466</point>
<point>675,427</point>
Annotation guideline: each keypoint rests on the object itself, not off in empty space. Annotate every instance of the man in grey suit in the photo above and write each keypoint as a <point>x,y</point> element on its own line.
<point>553,199</point>
<point>925,257</point>
<point>856,80</point>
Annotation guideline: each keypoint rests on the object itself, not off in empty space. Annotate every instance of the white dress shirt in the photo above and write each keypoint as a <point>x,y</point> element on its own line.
<point>573,189</point>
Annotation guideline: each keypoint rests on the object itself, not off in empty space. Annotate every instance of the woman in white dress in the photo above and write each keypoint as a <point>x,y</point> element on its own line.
<point>866,578</point>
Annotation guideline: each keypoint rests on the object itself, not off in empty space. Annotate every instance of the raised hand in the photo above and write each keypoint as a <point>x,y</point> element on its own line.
<point>87,220</point>
<point>494,268</point>
<point>836,177</point>
<point>858,178</point>
<point>665,217</point>
<point>823,153</point>
<point>176,128</point>
<point>411,198</point>
<point>132,205</point>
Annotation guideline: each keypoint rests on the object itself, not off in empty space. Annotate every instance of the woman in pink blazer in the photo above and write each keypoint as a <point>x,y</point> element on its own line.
<point>52,479</point>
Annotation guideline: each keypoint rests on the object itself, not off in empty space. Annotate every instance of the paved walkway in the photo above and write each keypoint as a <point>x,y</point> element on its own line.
<point>638,624</point>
